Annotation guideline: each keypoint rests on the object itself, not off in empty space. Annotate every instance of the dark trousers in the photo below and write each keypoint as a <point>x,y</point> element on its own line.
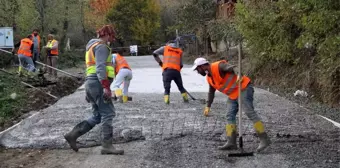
<point>168,76</point>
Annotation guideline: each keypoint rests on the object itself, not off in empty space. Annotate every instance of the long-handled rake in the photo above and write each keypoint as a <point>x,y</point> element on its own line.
<point>242,153</point>
<point>203,101</point>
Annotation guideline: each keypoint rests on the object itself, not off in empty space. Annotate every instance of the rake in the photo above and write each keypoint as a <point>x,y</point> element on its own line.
<point>242,153</point>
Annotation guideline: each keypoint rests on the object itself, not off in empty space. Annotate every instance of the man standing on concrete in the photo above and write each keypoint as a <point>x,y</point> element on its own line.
<point>52,54</point>
<point>36,45</point>
<point>25,53</point>
<point>223,77</point>
<point>123,74</point>
<point>99,75</point>
<point>171,65</point>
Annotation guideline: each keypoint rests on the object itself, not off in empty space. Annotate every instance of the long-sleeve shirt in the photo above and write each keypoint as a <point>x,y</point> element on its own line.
<point>101,53</point>
<point>54,46</point>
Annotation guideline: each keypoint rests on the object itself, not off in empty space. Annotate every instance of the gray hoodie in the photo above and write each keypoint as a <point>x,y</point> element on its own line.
<point>101,53</point>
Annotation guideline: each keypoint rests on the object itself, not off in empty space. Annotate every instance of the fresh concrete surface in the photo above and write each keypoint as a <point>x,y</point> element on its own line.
<point>178,135</point>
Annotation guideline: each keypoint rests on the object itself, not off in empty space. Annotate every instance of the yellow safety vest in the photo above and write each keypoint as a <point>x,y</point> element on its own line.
<point>91,62</point>
<point>50,44</point>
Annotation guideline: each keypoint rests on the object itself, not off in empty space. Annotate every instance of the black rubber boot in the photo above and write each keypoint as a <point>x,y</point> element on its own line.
<point>79,130</point>
<point>231,143</point>
<point>109,149</point>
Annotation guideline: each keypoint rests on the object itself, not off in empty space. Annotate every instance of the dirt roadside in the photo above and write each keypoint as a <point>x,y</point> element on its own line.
<point>13,158</point>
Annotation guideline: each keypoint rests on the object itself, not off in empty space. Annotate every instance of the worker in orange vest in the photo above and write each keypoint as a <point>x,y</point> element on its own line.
<point>52,54</point>
<point>123,74</point>
<point>25,53</point>
<point>171,65</point>
<point>223,77</point>
<point>36,45</point>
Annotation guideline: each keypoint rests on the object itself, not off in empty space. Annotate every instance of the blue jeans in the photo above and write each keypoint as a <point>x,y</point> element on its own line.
<point>26,62</point>
<point>35,57</point>
<point>247,106</point>
<point>102,112</point>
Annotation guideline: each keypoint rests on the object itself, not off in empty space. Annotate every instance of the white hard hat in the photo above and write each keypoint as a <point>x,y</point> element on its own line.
<point>198,62</point>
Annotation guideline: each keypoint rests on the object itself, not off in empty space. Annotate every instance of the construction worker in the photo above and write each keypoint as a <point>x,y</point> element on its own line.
<point>123,74</point>
<point>52,54</point>
<point>171,65</point>
<point>25,53</point>
<point>99,75</point>
<point>36,45</point>
<point>223,77</point>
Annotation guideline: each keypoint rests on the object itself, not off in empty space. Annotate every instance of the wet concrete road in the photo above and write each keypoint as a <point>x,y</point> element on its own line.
<point>178,135</point>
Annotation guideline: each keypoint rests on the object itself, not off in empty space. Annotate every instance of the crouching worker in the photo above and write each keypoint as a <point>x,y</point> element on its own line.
<point>25,53</point>
<point>223,77</point>
<point>99,74</point>
<point>123,75</point>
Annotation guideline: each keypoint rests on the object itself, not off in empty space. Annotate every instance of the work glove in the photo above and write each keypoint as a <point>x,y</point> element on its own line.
<point>206,111</point>
<point>106,90</point>
<point>160,63</point>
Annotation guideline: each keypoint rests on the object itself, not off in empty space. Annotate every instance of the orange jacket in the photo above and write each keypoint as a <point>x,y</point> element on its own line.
<point>25,47</point>
<point>172,58</point>
<point>120,63</point>
<point>227,84</point>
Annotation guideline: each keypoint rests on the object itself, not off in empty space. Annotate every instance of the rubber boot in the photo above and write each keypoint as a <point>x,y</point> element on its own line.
<point>185,97</point>
<point>79,130</point>
<point>125,99</point>
<point>264,139</point>
<point>108,149</point>
<point>119,94</point>
<point>20,73</point>
<point>231,137</point>
<point>166,99</point>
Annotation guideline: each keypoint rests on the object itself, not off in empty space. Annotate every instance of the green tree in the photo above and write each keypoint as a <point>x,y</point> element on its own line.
<point>295,33</point>
<point>193,16</point>
<point>136,20</point>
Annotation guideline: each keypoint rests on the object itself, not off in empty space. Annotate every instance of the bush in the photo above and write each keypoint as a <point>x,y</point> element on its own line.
<point>9,107</point>
<point>295,33</point>
<point>71,58</point>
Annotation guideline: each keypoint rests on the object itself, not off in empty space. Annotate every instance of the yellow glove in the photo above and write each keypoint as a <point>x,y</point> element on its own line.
<point>206,111</point>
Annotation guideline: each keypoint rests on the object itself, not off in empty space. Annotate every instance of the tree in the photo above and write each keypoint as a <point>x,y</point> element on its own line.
<point>193,16</point>
<point>136,20</point>
<point>96,12</point>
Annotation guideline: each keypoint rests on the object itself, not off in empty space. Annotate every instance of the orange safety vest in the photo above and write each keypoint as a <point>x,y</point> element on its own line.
<point>38,41</point>
<point>172,58</point>
<point>227,84</point>
<point>120,63</point>
<point>25,47</point>
<point>50,44</point>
